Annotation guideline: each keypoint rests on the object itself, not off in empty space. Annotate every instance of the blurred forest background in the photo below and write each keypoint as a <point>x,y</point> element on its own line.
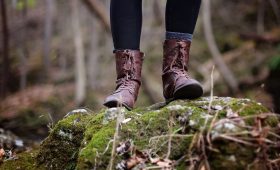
<point>56,55</point>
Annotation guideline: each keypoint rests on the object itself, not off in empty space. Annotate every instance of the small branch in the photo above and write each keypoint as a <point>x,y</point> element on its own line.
<point>276,9</point>
<point>236,140</point>
<point>107,147</point>
<point>274,134</point>
<point>226,73</point>
<point>167,136</point>
<point>264,38</point>
<point>211,92</point>
<point>275,160</point>
<point>170,124</point>
<point>99,11</point>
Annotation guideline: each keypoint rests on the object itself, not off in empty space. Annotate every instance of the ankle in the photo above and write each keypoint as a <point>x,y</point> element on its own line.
<point>178,36</point>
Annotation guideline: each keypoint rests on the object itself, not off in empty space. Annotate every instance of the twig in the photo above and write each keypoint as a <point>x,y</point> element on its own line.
<point>153,167</point>
<point>179,160</point>
<point>210,102</point>
<point>205,158</point>
<point>222,121</point>
<point>211,93</point>
<point>211,127</point>
<point>209,107</point>
<point>236,140</point>
<point>51,123</point>
<point>107,147</point>
<point>172,135</point>
<point>275,160</point>
<point>170,124</point>
<point>95,161</point>
<point>254,116</point>
<point>274,134</point>
<point>98,9</point>
<point>237,133</point>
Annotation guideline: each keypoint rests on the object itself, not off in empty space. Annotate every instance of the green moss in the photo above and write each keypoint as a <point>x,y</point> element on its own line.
<point>63,143</point>
<point>23,161</point>
<point>80,142</point>
<point>229,154</point>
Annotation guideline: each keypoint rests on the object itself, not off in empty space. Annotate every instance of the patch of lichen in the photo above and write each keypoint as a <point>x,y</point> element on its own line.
<point>61,148</point>
<point>23,161</point>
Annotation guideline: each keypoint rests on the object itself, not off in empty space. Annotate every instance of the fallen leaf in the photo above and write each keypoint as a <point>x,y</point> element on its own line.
<point>217,107</point>
<point>165,163</point>
<point>126,120</point>
<point>124,147</point>
<point>231,114</point>
<point>2,153</point>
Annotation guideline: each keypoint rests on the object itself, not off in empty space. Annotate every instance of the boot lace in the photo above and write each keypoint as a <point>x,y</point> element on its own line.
<point>178,61</point>
<point>125,82</point>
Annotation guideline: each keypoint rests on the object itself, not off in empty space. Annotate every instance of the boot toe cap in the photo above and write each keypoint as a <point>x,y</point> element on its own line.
<point>188,89</point>
<point>118,100</point>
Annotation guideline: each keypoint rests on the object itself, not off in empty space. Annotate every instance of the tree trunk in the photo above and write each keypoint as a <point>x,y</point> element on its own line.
<point>5,48</point>
<point>47,37</point>
<point>80,56</point>
<point>260,18</point>
<point>23,52</point>
<point>93,57</point>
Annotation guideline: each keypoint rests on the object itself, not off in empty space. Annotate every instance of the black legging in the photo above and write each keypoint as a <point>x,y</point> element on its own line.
<point>126,20</point>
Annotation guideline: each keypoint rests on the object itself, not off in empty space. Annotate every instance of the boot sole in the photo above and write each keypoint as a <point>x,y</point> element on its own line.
<point>115,103</point>
<point>190,91</point>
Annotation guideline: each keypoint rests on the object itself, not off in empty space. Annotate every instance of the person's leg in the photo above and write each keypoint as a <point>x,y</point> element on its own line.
<point>181,16</point>
<point>126,23</point>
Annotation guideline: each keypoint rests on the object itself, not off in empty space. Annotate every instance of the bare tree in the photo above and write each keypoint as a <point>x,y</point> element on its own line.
<point>92,63</point>
<point>23,51</point>
<point>47,36</point>
<point>5,60</point>
<point>260,16</point>
<point>80,74</point>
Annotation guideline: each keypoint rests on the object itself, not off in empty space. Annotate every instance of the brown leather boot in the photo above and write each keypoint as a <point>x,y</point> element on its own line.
<point>177,84</point>
<point>128,66</point>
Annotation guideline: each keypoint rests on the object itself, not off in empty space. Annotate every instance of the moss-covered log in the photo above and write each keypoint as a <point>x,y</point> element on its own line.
<point>227,134</point>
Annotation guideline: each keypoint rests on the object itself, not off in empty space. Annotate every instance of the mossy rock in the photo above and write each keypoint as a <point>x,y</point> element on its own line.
<point>184,134</point>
